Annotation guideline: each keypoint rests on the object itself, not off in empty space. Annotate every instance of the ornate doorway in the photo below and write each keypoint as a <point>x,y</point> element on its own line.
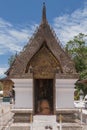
<point>43,96</point>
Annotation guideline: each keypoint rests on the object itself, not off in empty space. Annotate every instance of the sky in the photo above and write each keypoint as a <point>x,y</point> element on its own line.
<point>19,19</point>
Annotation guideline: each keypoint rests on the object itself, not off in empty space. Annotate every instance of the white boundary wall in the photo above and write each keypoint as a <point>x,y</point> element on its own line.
<point>64,89</point>
<point>65,93</point>
<point>23,93</point>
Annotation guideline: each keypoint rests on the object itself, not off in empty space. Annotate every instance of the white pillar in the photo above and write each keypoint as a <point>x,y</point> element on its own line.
<point>23,93</point>
<point>65,93</point>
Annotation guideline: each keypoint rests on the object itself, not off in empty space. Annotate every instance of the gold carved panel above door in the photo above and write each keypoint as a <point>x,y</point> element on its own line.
<point>44,63</point>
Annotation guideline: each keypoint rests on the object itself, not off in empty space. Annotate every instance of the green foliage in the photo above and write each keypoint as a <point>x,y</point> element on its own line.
<point>82,87</point>
<point>80,64</point>
<point>11,59</point>
<point>76,95</point>
<point>83,74</point>
<point>1,86</point>
<point>77,49</point>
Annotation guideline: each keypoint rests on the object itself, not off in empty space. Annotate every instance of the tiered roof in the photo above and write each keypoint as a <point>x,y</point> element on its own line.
<point>43,34</point>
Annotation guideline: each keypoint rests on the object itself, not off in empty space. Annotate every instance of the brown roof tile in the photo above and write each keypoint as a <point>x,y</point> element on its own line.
<point>43,34</point>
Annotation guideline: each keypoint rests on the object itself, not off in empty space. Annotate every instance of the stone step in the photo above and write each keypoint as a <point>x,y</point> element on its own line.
<point>44,118</point>
<point>43,122</point>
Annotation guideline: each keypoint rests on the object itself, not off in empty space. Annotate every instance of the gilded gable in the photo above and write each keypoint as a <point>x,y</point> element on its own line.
<point>44,63</point>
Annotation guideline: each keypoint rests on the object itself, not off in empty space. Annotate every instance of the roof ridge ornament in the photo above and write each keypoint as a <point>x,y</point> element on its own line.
<point>44,19</point>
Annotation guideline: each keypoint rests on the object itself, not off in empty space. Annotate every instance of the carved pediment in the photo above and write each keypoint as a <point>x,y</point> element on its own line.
<point>44,63</point>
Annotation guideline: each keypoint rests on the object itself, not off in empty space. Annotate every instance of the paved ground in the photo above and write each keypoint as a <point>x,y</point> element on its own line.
<point>84,127</point>
<point>5,114</point>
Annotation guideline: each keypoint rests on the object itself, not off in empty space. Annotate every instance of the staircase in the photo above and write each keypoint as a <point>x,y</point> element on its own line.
<point>44,122</point>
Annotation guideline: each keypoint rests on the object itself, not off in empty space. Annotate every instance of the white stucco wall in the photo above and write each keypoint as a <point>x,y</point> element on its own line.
<point>65,93</point>
<point>64,89</point>
<point>23,93</point>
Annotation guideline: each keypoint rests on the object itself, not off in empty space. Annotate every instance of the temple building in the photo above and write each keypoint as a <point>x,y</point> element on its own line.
<point>44,76</point>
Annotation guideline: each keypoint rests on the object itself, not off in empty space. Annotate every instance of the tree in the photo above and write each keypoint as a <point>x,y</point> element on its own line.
<point>1,86</point>
<point>11,59</point>
<point>77,49</point>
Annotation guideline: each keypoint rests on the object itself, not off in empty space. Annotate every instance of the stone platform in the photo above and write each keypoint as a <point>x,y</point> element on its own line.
<point>65,126</point>
<point>25,115</point>
<point>41,122</point>
<point>22,115</point>
<point>68,115</point>
<point>20,126</point>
